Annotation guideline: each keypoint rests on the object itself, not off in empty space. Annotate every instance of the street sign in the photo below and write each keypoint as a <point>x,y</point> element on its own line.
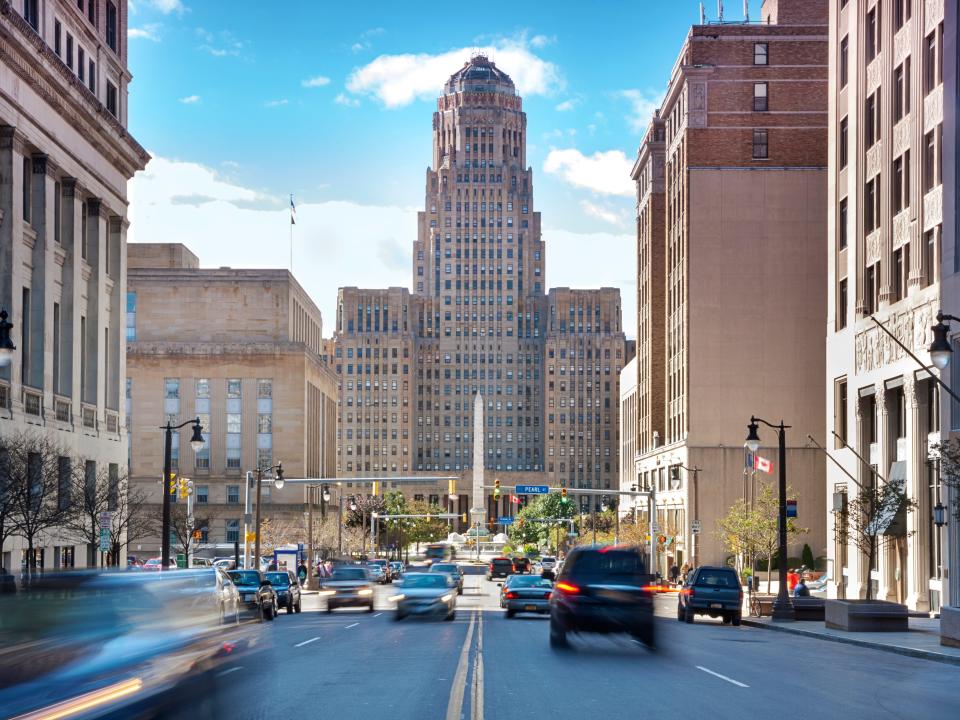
<point>572,534</point>
<point>531,489</point>
<point>104,540</point>
<point>791,508</point>
<point>696,527</point>
<point>506,520</point>
<point>105,518</point>
<point>655,527</point>
<point>190,522</point>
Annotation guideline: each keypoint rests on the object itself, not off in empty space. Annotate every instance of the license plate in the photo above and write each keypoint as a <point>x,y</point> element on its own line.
<point>716,605</point>
<point>531,608</point>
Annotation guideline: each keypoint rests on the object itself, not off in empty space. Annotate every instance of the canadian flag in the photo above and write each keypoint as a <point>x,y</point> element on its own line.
<point>762,464</point>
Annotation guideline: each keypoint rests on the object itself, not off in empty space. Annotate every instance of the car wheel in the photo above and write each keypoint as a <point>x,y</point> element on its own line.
<point>645,635</point>
<point>736,618</point>
<point>451,616</point>
<point>290,606</point>
<point>558,635</point>
<point>726,619</point>
<point>271,614</point>
<point>261,615</point>
<point>370,608</point>
<point>511,613</point>
<point>329,609</point>
<point>688,615</point>
<point>298,607</point>
<point>398,616</point>
<point>679,612</point>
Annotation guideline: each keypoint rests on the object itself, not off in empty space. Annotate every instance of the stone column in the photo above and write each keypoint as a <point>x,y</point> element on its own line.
<point>72,307</point>
<point>886,443</point>
<point>918,529</point>
<point>857,572</point>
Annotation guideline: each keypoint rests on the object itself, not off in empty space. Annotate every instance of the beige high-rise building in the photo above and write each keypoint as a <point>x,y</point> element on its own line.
<point>65,158</point>
<point>731,227</point>
<point>892,259</point>
<point>478,320</point>
<point>242,351</point>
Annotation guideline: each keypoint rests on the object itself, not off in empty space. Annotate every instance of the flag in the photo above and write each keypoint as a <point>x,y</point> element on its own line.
<point>293,212</point>
<point>762,464</point>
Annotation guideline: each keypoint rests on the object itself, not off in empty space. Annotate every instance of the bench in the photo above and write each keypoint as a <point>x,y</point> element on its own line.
<point>808,608</point>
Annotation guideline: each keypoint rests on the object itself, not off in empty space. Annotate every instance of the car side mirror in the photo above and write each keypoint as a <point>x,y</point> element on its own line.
<point>499,584</point>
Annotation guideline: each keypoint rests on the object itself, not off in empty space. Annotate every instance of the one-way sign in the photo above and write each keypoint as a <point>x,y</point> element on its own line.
<point>531,489</point>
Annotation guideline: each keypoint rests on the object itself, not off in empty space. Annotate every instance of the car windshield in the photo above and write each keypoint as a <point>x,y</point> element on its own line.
<point>444,567</point>
<point>349,574</point>
<point>278,578</point>
<point>245,577</point>
<point>717,578</point>
<point>529,581</point>
<point>600,562</point>
<point>425,581</point>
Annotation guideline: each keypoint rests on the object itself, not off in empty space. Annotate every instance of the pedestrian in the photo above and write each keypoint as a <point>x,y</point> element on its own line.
<point>302,573</point>
<point>674,573</point>
<point>801,589</point>
<point>793,577</point>
<point>684,571</point>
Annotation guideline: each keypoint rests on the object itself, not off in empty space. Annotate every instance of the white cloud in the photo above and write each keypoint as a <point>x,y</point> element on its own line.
<point>276,103</point>
<point>346,100</point>
<point>219,44</point>
<point>643,103</point>
<point>567,105</point>
<point>190,99</point>
<point>314,82</point>
<point>227,224</point>
<point>365,42</point>
<point>607,173</point>
<point>150,31</point>
<point>398,80</point>
<point>539,41</point>
<point>167,6</point>
<point>601,213</point>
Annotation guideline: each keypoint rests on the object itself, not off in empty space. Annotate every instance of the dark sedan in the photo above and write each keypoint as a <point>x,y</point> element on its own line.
<point>287,587</point>
<point>256,593</point>
<point>526,594</point>
<point>349,586</point>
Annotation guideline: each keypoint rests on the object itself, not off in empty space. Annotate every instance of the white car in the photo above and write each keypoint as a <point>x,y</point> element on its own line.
<point>548,563</point>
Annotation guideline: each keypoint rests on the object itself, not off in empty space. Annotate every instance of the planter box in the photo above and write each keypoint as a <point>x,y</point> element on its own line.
<point>950,626</point>
<point>809,608</point>
<point>866,616</point>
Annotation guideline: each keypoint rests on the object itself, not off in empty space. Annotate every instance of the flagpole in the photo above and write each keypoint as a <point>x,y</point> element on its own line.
<point>291,236</point>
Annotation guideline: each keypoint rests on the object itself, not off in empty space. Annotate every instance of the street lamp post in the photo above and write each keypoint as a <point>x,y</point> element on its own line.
<point>196,442</point>
<point>782,606</point>
<point>278,484</point>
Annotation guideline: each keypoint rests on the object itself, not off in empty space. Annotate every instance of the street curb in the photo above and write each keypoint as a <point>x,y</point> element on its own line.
<point>896,649</point>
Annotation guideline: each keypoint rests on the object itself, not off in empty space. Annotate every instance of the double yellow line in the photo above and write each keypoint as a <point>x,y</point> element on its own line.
<point>458,689</point>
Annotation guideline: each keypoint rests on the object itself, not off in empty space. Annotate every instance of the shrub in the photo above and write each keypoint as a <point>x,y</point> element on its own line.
<point>806,557</point>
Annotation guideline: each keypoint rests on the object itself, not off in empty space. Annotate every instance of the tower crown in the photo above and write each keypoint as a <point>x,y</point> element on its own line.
<point>480,74</point>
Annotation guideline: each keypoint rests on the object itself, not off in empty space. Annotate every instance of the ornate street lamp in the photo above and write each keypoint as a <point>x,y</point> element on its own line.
<point>278,484</point>
<point>782,606</point>
<point>940,349</point>
<point>939,514</point>
<point>196,442</point>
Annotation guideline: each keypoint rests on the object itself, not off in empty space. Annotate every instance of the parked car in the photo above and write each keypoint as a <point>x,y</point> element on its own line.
<point>602,590</point>
<point>499,567</point>
<point>713,591</point>
<point>377,572</point>
<point>452,569</point>
<point>385,566</point>
<point>427,593</point>
<point>156,564</point>
<point>521,564</point>
<point>287,587</point>
<point>349,586</point>
<point>526,593</point>
<point>256,593</point>
<point>196,562</point>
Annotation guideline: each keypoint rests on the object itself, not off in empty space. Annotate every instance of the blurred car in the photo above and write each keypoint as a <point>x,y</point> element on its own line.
<point>548,563</point>
<point>156,564</point>
<point>397,569</point>
<point>526,593</point>
<point>452,569</point>
<point>196,562</point>
<point>602,590</point>
<point>521,564</point>
<point>377,573</point>
<point>349,586</point>
<point>256,593</point>
<point>427,593</point>
<point>499,567</point>
<point>115,644</point>
<point>287,587</point>
<point>385,567</point>
<point>713,591</point>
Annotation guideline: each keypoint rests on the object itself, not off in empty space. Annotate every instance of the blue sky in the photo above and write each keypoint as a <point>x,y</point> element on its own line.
<point>241,105</point>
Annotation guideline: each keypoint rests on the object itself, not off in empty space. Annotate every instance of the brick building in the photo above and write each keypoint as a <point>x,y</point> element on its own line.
<point>731,223</point>
<point>478,320</point>
<point>241,350</point>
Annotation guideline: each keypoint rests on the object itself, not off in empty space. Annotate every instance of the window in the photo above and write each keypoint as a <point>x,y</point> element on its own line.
<point>92,77</point>
<point>930,255</point>
<point>900,189</point>
<point>112,99</point>
<point>760,56</point>
<point>844,52</point>
<point>843,142</point>
<point>901,13</point>
<point>931,160</point>
<point>92,11</point>
<point>233,531</point>
<point>70,51</point>
<point>901,90</point>
<point>898,279</point>
<point>842,225</point>
<point>870,290</point>
<point>842,304</point>
<point>31,13</point>
<point>27,199</point>
<point>760,97</point>
<point>931,65</point>
<point>203,494</point>
<point>871,205</point>
<point>871,119</point>
<point>873,33</point>
<point>840,412</point>
<point>131,316</point>
<point>233,494</point>
<point>81,61</point>
<point>57,42</point>
<point>760,149</point>
<point>112,25</point>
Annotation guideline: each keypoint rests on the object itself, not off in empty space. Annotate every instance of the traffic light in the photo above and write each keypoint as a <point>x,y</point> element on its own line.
<point>563,496</point>
<point>197,535</point>
<point>376,487</point>
<point>172,481</point>
<point>496,489</point>
<point>451,487</point>
<point>464,517</point>
<point>186,488</point>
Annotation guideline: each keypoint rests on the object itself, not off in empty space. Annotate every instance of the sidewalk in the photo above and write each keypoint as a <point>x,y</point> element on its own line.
<point>923,640</point>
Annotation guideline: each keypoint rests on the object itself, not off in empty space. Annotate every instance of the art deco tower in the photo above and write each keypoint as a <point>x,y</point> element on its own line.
<point>478,268</point>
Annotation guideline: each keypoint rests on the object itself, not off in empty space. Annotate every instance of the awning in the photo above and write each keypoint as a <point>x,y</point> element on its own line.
<point>892,520</point>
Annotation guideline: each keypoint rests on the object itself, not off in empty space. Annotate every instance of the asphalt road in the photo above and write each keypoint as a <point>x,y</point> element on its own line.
<point>352,664</point>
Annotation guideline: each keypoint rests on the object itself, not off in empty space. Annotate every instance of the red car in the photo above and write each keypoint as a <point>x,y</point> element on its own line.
<point>156,564</point>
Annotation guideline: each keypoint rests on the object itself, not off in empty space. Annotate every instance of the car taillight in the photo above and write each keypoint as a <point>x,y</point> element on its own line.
<point>511,595</point>
<point>687,591</point>
<point>547,595</point>
<point>568,588</point>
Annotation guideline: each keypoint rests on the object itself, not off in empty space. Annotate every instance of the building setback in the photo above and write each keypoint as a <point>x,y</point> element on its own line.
<point>241,350</point>
<point>477,321</point>
<point>65,158</point>
<point>892,259</point>
<point>731,225</point>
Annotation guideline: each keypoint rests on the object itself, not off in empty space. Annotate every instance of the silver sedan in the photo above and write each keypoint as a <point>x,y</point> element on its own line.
<point>432,594</point>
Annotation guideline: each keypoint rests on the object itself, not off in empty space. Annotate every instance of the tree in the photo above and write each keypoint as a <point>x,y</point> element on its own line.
<point>740,530</point>
<point>426,529</point>
<point>182,531</point>
<point>948,454</point>
<point>134,518</point>
<point>86,498</point>
<point>865,518</point>
<point>6,498</point>
<point>540,516</point>
<point>36,488</point>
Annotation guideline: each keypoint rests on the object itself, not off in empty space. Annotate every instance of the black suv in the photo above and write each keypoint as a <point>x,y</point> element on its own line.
<point>602,590</point>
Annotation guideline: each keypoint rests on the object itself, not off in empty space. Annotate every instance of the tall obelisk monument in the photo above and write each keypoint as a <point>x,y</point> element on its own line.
<point>478,509</point>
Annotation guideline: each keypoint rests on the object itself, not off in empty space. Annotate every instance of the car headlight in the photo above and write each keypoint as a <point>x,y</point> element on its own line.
<point>397,598</point>
<point>447,598</point>
<point>365,591</point>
